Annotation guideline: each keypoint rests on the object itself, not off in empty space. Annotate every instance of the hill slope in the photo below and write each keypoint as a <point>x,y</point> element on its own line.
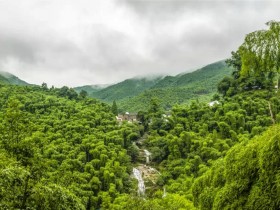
<point>135,94</point>
<point>90,88</point>
<point>7,78</point>
<point>3,80</point>
<point>126,89</point>
<point>211,72</point>
<point>180,89</point>
<point>43,134</point>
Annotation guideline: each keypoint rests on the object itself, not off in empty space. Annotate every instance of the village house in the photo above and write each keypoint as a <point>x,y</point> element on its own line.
<point>212,103</point>
<point>130,117</point>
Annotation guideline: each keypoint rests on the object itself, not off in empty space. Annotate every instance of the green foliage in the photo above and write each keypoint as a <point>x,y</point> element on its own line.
<point>224,86</point>
<point>171,201</point>
<point>63,151</point>
<point>115,108</point>
<point>260,52</point>
<point>247,177</point>
<point>189,141</point>
<point>3,80</point>
<point>256,62</point>
<point>126,89</point>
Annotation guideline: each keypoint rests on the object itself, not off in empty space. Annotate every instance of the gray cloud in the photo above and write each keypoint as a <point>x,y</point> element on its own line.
<point>69,42</point>
<point>16,46</point>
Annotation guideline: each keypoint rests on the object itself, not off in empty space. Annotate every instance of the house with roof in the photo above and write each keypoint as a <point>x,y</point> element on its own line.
<point>130,117</point>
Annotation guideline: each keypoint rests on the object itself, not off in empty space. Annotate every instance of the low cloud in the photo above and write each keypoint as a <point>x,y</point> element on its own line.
<point>88,42</point>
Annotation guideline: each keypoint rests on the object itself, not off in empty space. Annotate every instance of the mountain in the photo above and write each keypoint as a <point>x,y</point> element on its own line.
<point>3,80</point>
<point>7,78</point>
<point>181,89</point>
<point>209,73</point>
<point>135,94</point>
<point>91,88</point>
<point>125,89</point>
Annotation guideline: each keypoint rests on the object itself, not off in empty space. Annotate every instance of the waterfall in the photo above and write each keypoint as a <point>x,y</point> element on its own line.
<point>141,185</point>
<point>164,192</point>
<point>147,155</point>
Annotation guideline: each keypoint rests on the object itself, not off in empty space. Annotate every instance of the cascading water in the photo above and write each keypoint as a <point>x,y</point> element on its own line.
<point>164,192</point>
<point>145,172</point>
<point>147,155</point>
<point>141,185</point>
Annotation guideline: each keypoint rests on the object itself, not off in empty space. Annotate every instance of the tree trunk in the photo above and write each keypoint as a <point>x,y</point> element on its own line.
<point>271,113</point>
<point>25,194</point>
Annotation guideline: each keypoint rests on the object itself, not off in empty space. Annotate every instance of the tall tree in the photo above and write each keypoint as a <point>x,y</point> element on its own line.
<point>115,108</point>
<point>260,54</point>
<point>235,62</point>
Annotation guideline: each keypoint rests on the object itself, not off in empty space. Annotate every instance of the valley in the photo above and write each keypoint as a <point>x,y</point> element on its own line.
<point>62,148</point>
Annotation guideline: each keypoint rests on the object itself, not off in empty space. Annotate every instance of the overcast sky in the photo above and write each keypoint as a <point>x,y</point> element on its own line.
<point>78,42</point>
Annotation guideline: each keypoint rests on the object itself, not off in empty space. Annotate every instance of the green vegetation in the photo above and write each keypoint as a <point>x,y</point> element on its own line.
<point>60,151</point>
<point>3,80</point>
<point>247,178</point>
<point>90,88</point>
<point>115,108</point>
<point>125,89</point>
<point>256,62</point>
<point>63,150</point>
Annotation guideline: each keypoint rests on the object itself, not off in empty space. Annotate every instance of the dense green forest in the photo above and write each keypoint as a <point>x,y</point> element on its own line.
<point>60,151</point>
<point>64,150</point>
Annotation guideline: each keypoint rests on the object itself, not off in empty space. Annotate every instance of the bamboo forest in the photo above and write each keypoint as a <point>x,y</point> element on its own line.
<point>64,149</point>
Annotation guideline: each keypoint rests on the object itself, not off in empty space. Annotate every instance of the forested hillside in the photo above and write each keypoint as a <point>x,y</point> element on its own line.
<point>90,88</point>
<point>60,151</point>
<point>182,89</point>
<point>63,150</point>
<point>134,94</point>
<point>224,156</point>
<point>7,78</point>
<point>125,89</point>
<point>253,182</point>
<point>3,80</point>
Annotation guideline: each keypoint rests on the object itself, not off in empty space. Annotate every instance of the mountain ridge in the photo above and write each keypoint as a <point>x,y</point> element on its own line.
<point>134,94</point>
<point>8,78</point>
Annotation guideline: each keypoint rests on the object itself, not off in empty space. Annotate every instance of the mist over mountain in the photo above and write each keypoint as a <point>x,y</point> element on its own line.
<point>91,88</point>
<point>134,94</point>
<point>7,78</point>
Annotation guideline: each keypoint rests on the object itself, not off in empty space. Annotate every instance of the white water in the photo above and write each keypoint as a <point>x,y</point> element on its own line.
<point>147,152</point>
<point>141,185</point>
<point>164,192</point>
<point>147,155</point>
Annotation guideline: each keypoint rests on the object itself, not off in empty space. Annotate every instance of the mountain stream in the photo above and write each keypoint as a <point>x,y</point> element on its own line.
<point>141,185</point>
<point>144,172</point>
